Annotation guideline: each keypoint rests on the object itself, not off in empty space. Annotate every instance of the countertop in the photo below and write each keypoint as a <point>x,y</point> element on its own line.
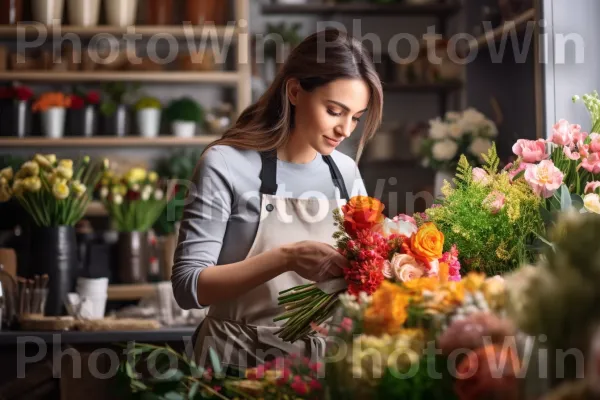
<point>181,334</point>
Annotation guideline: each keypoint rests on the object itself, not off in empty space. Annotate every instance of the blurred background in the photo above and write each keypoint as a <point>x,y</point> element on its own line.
<point>149,83</point>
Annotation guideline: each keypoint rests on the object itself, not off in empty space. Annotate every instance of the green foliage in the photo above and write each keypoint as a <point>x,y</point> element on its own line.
<point>185,109</point>
<point>116,93</point>
<point>148,102</point>
<point>282,32</point>
<point>464,171</point>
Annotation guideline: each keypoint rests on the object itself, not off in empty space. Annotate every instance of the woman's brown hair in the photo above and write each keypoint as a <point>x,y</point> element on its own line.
<point>319,59</point>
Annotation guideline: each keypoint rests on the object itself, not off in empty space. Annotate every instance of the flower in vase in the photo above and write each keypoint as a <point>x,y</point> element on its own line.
<point>480,146</point>
<point>591,187</point>
<point>531,151</point>
<point>455,130</point>
<point>544,178</point>
<point>444,150</point>
<point>591,202</point>
<point>437,129</point>
<point>60,190</point>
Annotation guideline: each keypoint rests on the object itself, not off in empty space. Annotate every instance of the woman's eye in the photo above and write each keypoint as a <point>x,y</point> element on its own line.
<point>356,119</point>
<point>331,112</point>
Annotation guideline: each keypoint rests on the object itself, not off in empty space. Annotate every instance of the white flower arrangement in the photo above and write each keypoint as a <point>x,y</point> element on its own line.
<point>468,132</point>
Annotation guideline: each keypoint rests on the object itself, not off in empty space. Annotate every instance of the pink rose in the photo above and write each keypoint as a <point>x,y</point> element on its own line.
<point>591,163</point>
<point>404,217</point>
<point>591,187</point>
<point>562,133</point>
<point>401,262</point>
<point>594,143</point>
<point>387,271</point>
<point>544,178</point>
<point>405,226</point>
<point>531,151</point>
<point>480,176</point>
<point>495,201</point>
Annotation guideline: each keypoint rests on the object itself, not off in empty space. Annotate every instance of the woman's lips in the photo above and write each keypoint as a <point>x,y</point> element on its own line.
<point>332,142</point>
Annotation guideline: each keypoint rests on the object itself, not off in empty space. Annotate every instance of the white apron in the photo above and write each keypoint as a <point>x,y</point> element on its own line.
<point>242,330</point>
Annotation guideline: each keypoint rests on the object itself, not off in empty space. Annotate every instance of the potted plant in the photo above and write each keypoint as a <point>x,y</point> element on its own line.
<point>184,115</point>
<point>56,194</point>
<point>114,108</point>
<point>48,12</point>
<point>121,12</point>
<point>53,107</point>
<point>15,110</point>
<point>179,166</point>
<point>148,116</point>
<point>81,116</point>
<point>287,37</point>
<point>134,201</point>
<point>83,12</point>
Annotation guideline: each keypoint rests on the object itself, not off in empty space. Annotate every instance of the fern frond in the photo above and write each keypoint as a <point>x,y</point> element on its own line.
<point>491,160</point>
<point>464,171</point>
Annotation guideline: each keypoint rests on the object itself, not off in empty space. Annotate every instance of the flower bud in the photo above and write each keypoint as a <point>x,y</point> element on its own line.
<point>32,184</point>
<point>7,173</point>
<point>60,190</point>
<point>78,188</point>
<point>42,161</point>
<point>64,172</point>
<point>30,168</point>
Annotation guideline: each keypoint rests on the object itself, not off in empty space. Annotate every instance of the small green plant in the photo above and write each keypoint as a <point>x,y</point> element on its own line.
<point>282,32</point>
<point>116,93</point>
<point>185,109</point>
<point>148,102</point>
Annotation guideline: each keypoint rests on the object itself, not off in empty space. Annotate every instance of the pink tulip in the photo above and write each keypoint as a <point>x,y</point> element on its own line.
<point>591,187</point>
<point>531,151</point>
<point>544,178</point>
<point>562,133</point>
<point>495,201</point>
<point>480,176</point>
<point>571,154</point>
<point>595,143</point>
<point>591,163</point>
<point>522,167</point>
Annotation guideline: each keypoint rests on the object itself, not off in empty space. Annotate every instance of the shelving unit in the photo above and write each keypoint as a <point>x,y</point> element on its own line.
<point>496,34</point>
<point>445,9</point>
<point>215,78</point>
<point>99,141</point>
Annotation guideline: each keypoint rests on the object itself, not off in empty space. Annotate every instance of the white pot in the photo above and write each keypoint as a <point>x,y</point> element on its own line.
<point>440,176</point>
<point>53,122</point>
<point>183,129</point>
<point>121,12</point>
<point>148,122</point>
<point>83,12</point>
<point>48,12</point>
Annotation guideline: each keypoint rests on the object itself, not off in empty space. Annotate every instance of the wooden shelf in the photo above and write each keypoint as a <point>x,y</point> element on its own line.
<point>434,9</point>
<point>224,78</point>
<point>130,292</point>
<point>442,87</point>
<point>180,31</point>
<point>499,32</point>
<point>161,141</point>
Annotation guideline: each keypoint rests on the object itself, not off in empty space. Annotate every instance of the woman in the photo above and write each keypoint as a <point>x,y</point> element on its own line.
<point>259,218</point>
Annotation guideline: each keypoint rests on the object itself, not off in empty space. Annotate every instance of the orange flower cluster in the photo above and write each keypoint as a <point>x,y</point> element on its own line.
<point>362,212</point>
<point>51,100</point>
<point>387,311</point>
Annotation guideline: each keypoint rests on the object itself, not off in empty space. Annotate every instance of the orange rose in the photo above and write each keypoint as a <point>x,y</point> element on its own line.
<point>428,243</point>
<point>362,212</point>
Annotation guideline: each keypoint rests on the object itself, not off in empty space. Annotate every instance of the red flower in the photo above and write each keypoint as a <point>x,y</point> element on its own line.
<point>23,93</point>
<point>315,385</point>
<point>299,387</point>
<point>77,102</point>
<point>93,98</point>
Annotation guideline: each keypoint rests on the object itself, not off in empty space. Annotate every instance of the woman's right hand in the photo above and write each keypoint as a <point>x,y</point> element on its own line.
<point>315,261</point>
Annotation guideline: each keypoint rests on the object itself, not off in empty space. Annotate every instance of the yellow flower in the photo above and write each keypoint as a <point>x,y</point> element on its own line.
<point>32,184</point>
<point>30,168</point>
<point>152,177</point>
<point>51,158</point>
<point>66,163</point>
<point>387,311</point>
<point>105,164</point>
<point>60,190</point>
<point>3,181</point>
<point>64,172</point>
<point>78,188</point>
<point>46,162</point>
<point>5,193</point>
<point>135,175</point>
<point>17,187</point>
<point>473,281</point>
<point>7,173</point>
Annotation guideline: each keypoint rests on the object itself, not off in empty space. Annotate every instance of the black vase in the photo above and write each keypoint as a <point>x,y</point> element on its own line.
<point>133,257</point>
<point>54,252</point>
<point>118,123</point>
<point>16,118</point>
<point>82,122</point>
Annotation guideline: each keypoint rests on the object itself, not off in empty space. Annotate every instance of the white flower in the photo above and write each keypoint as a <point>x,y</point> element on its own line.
<point>480,146</point>
<point>118,199</point>
<point>146,195</point>
<point>104,192</point>
<point>455,130</point>
<point>591,202</point>
<point>400,227</point>
<point>437,129</point>
<point>452,116</point>
<point>158,194</point>
<point>135,187</point>
<point>490,129</point>
<point>444,150</point>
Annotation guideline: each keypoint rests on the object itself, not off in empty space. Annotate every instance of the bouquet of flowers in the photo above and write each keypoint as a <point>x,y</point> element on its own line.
<point>134,200</point>
<point>468,133</point>
<point>491,215</point>
<point>378,249</point>
<point>54,192</point>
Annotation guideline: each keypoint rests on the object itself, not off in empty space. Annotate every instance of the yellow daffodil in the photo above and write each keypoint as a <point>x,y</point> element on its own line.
<point>152,177</point>
<point>51,158</point>
<point>32,184</point>
<point>43,161</point>
<point>64,172</point>
<point>17,187</point>
<point>5,193</point>
<point>78,188</point>
<point>30,168</point>
<point>66,163</point>
<point>60,190</point>
<point>135,175</point>
<point>7,173</point>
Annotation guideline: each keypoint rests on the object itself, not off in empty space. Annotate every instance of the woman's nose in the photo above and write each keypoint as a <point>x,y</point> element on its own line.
<point>345,128</point>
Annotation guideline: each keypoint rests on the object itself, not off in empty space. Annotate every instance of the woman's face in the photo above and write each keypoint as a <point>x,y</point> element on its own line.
<point>330,113</point>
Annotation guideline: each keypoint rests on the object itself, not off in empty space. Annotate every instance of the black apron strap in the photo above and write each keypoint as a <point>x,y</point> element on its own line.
<point>268,172</point>
<point>338,179</point>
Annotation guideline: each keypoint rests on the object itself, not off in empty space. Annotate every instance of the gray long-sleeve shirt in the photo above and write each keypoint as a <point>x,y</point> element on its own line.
<point>222,209</point>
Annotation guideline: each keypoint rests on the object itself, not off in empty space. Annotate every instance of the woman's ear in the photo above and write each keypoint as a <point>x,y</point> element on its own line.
<point>293,89</point>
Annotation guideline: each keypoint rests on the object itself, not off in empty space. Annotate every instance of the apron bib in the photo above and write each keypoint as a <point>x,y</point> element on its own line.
<point>242,330</point>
